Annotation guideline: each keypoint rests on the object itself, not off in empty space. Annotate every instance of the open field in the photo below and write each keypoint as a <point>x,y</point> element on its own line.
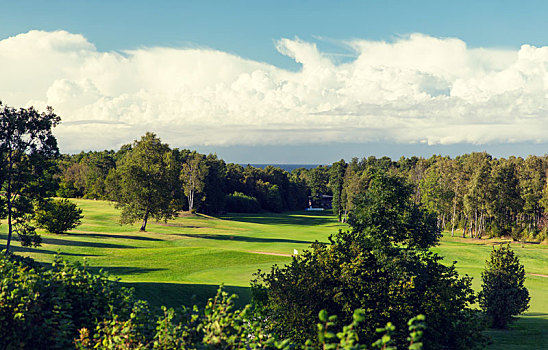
<point>192,255</point>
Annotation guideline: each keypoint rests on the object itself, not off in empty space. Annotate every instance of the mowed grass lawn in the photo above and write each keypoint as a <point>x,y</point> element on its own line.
<point>191,255</point>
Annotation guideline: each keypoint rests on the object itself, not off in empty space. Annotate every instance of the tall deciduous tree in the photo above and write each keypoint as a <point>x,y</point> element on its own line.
<point>145,182</point>
<point>193,174</point>
<point>26,148</point>
<point>386,212</point>
<point>336,182</point>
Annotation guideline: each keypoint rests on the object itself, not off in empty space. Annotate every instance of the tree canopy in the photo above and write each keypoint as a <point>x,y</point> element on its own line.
<point>27,146</point>
<point>144,182</point>
<point>383,266</point>
<point>503,293</point>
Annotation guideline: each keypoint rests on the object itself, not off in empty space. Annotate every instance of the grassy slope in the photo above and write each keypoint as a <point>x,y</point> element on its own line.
<point>192,255</point>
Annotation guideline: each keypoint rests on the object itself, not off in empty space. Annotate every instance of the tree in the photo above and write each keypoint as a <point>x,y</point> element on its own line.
<point>503,293</point>
<point>336,182</point>
<point>145,181</point>
<point>27,146</point>
<point>382,265</point>
<point>317,180</point>
<point>505,200</point>
<point>385,212</point>
<point>193,174</point>
<point>58,216</point>
<point>214,188</point>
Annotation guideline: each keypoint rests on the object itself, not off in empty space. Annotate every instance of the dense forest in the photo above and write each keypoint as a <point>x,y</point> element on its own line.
<point>199,182</point>
<point>474,193</point>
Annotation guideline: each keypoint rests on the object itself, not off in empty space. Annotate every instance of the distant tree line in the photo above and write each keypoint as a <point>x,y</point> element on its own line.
<point>188,179</point>
<point>475,193</point>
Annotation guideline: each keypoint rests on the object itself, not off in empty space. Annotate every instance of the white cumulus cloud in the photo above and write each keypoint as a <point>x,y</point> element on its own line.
<point>415,89</point>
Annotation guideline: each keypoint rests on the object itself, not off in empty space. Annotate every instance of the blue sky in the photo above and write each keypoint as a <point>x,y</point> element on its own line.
<point>249,28</point>
<point>330,37</point>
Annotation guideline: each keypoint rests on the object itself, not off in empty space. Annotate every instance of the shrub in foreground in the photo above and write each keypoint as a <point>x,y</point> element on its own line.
<point>392,285</point>
<point>66,306</point>
<point>384,266</point>
<point>218,326</point>
<point>44,308</point>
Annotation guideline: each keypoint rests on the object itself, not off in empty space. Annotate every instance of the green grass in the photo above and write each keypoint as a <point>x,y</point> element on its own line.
<point>191,255</point>
<point>188,255</point>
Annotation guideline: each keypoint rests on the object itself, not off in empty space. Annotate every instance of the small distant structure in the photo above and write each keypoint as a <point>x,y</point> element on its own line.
<point>322,203</point>
<point>295,252</point>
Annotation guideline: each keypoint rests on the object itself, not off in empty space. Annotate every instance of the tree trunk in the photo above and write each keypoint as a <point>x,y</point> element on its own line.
<point>475,232</point>
<point>144,225</point>
<point>8,196</point>
<point>10,231</point>
<point>190,200</point>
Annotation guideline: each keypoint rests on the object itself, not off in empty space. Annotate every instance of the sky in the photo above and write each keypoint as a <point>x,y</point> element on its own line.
<point>284,81</point>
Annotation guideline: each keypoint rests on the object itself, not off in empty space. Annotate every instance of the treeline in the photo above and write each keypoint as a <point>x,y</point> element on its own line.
<point>475,193</point>
<point>198,182</point>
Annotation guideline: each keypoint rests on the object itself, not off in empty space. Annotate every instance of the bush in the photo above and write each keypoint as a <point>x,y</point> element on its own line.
<point>44,308</point>
<point>383,266</point>
<point>503,293</point>
<point>67,306</point>
<point>393,285</point>
<point>240,203</point>
<point>58,216</point>
<point>218,326</point>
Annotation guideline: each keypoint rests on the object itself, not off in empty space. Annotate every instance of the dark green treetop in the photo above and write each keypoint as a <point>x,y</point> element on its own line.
<point>503,293</point>
<point>144,182</point>
<point>27,146</point>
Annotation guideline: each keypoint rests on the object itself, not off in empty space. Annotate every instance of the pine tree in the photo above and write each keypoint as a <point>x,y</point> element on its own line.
<point>503,293</point>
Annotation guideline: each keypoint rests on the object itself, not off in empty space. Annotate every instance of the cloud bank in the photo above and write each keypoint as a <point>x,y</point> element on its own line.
<point>416,89</point>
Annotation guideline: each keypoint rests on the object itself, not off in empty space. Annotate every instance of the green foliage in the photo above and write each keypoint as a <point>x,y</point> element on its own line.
<point>503,293</point>
<point>220,326</point>
<point>84,174</point>
<point>390,284</point>
<point>214,187</point>
<point>274,199</point>
<point>58,216</point>
<point>383,266</point>
<point>65,305</point>
<point>317,181</point>
<point>144,183</point>
<point>385,212</point>
<point>44,308</point>
<point>238,202</point>
<point>336,183</point>
<point>27,146</point>
<point>193,173</point>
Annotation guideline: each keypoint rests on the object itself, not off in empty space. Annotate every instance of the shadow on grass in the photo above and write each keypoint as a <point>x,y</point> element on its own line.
<point>311,218</point>
<point>528,332</point>
<point>177,294</point>
<point>241,238</point>
<point>19,249</point>
<point>72,243</point>
<point>122,270</point>
<point>174,224</point>
<point>104,235</point>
